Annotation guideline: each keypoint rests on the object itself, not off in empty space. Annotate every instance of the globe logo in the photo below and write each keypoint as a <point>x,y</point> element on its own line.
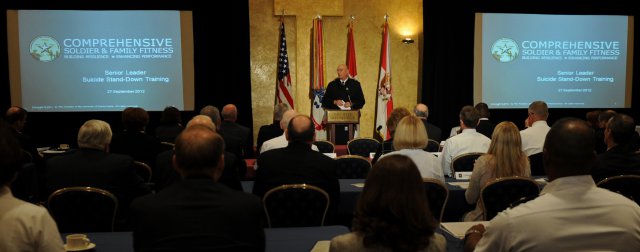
<point>44,48</point>
<point>505,50</point>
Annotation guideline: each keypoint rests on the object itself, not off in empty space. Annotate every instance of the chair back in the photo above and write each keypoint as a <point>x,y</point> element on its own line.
<point>437,196</point>
<point>167,145</point>
<point>464,162</point>
<point>627,185</point>
<point>535,161</point>
<point>432,146</point>
<point>83,209</point>
<point>25,186</point>
<point>503,193</point>
<point>325,146</point>
<point>296,205</point>
<point>352,167</point>
<point>143,170</point>
<point>362,146</point>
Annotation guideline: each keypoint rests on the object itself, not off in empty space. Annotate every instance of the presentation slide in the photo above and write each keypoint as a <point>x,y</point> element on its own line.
<point>68,60</point>
<point>568,61</point>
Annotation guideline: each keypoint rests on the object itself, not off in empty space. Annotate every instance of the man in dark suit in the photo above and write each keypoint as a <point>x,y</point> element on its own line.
<point>268,132</point>
<point>198,213</point>
<point>133,141</point>
<point>343,91</point>
<point>422,112</point>
<point>298,163</point>
<point>236,137</point>
<point>92,165</point>
<point>620,157</point>
<point>485,126</point>
<point>166,175</point>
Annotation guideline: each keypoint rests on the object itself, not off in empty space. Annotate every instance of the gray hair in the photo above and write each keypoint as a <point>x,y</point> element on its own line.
<point>279,110</point>
<point>94,134</point>
<point>202,120</point>
<point>212,112</point>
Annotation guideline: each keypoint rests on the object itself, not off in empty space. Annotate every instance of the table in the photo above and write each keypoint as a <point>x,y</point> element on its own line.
<point>277,239</point>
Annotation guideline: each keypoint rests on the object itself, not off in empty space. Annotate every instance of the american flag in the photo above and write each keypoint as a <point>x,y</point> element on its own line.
<point>284,87</point>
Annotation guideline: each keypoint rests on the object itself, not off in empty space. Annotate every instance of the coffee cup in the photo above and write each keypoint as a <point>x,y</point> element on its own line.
<point>64,146</point>
<point>77,241</point>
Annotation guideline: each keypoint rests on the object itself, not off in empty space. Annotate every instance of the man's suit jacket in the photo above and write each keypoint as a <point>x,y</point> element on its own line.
<point>140,146</point>
<point>297,164</point>
<point>165,175</point>
<point>336,91</point>
<point>237,139</point>
<point>268,132</point>
<point>96,168</point>
<point>619,160</point>
<point>434,132</point>
<point>485,127</point>
<point>198,206</point>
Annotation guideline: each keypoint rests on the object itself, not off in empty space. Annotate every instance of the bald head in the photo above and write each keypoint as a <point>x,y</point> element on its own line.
<point>16,117</point>
<point>199,150</point>
<point>421,110</point>
<point>301,129</point>
<point>202,120</point>
<point>230,112</point>
<point>343,71</point>
<point>568,148</point>
<point>286,118</point>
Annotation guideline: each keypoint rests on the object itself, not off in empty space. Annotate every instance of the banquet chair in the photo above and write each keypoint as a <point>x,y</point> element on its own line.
<point>464,162</point>
<point>296,205</point>
<point>437,196</point>
<point>83,209</point>
<point>537,169</point>
<point>143,170</point>
<point>627,185</point>
<point>507,192</point>
<point>362,146</point>
<point>325,146</point>
<point>352,167</point>
<point>432,146</point>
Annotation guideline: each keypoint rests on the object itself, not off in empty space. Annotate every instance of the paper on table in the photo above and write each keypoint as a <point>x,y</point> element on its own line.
<point>344,108</point>
<point>358,185</point>
<point>321,246</point>
<point>463,184</point>
<point>457,229</point>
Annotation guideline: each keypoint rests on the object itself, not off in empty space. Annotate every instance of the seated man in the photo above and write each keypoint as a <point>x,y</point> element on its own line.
<point>536,128</point>
<point>571,213</point>
<point>23,226</point>
<point>281,141</point>
<point>197,212</point>
<point>92,165</point>
<point>268,132</point>
<point>467,141</point>
<point>134,141</point>
<point>620,157</point>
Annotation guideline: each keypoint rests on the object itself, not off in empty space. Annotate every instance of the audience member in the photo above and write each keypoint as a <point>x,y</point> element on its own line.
<point>409,140</point>
<point>620,157</point>
<point>237,138</point>
<point>298,163</point>
<point>592,118</point>
<point>387,145</point>
<point>422,112</point>
<point>485,126</point>
<point>273,130</point>
<point>571,213</point>
<point>23,226</point>
<point>16,118</point>
<point>92,165</point>
<point>392,213</point>
<point>281,141</point>
<point>213,113</point>
<point>198,213</point>
<point>504,159</point>
<point>170,125</point>
<point>467,141</point>
<point>603,119</point>
<point>133,141</point>
<point>533,136</point>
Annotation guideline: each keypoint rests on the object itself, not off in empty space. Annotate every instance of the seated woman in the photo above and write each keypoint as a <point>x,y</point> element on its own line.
<point>398,221</point>
<point>504,159</point>
<point>409,140</point>
<point>387,146</point>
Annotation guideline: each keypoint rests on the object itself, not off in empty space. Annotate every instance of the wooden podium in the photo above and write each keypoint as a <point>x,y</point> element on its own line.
<point>335,119</point>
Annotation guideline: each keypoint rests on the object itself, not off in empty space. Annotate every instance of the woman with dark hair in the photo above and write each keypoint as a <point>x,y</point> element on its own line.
<point>170,125</point>
<point>393,212</point>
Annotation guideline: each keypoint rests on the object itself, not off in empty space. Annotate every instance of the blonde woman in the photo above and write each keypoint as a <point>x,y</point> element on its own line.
<point>409,139</point>
<point>504,159</point>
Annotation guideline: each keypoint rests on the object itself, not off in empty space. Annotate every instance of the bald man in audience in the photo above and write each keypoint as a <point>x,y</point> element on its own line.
<point>281,141</point>
<point>198,213</point>
<point>234,168</point>
<point>533,136</point>
<point>571,213</point>
<point>422,112</point>
<point>236,137</point>
<point>620,157</point>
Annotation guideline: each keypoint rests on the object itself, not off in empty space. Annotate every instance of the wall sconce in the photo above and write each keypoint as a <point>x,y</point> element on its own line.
<point>407,41</point>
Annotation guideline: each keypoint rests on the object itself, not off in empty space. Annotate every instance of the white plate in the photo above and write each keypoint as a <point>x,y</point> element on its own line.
<point>90,246</point>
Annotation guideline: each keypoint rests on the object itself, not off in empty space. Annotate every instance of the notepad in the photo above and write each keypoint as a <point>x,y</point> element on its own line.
<point>458,229</point>
<point>358,185</point>
<point>321,246</point>
<point>461,184</point>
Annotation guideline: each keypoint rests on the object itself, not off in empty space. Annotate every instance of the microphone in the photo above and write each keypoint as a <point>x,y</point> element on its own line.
<point>348,96</point>
<point>379,128</point>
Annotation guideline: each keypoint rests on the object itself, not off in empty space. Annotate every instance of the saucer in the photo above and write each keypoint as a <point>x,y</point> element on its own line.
<point>90,246</point>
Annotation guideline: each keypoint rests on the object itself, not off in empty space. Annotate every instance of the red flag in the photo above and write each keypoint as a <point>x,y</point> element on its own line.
<point>284,87</point>
<point>351,53</point>
<point>384,103</point>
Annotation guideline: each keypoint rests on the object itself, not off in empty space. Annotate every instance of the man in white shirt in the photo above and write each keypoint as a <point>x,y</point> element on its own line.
<point>537,128</point>
<point>281,141</point>
<point>571,213</point>
<point>467,141</point>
